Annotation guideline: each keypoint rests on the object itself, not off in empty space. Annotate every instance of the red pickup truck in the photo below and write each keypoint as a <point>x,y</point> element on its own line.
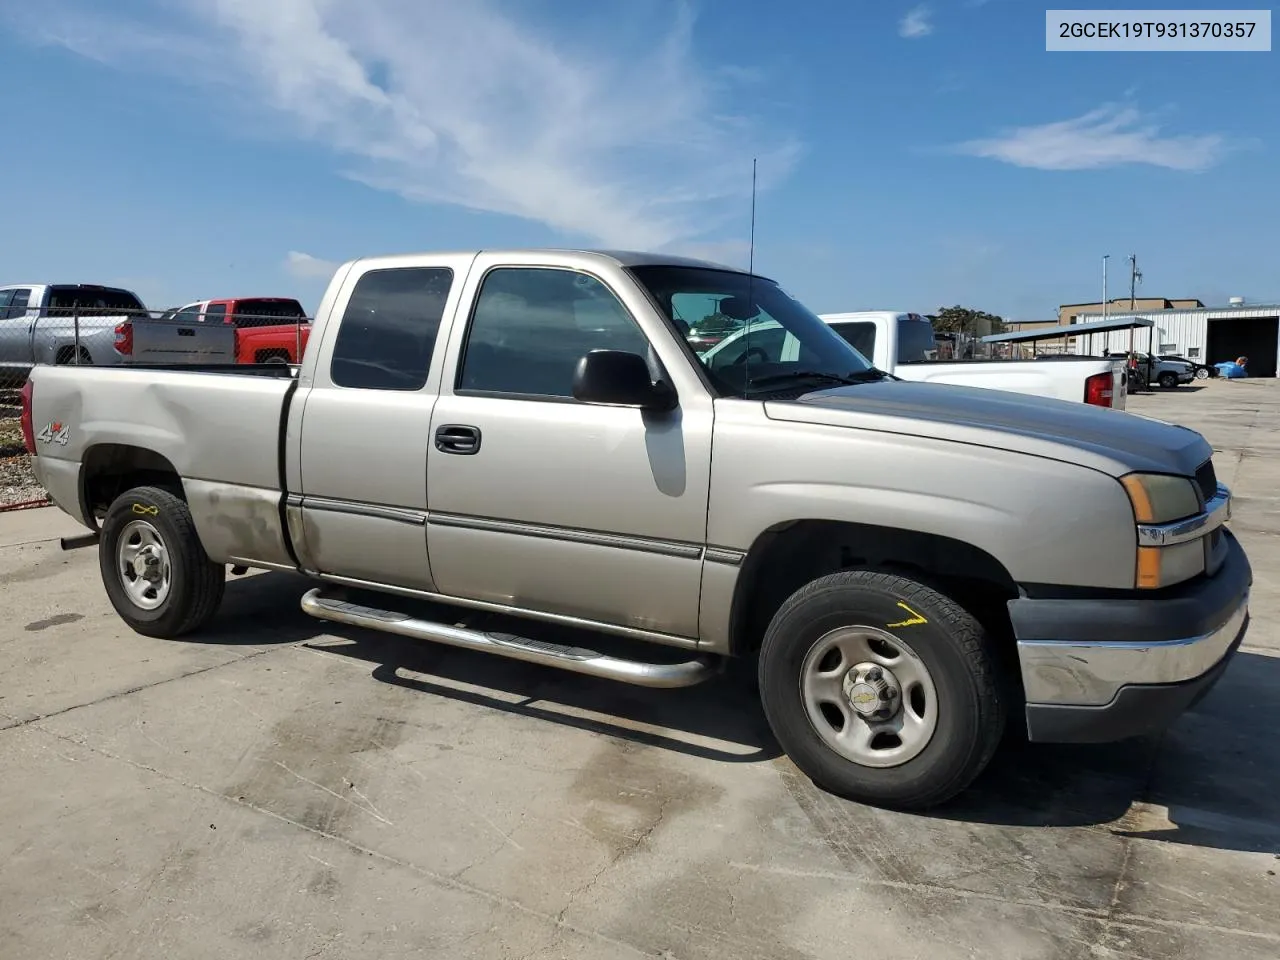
<point>268,329</point>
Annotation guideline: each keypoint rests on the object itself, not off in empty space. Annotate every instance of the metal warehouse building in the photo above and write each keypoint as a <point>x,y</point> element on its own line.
<point>1207,335</point>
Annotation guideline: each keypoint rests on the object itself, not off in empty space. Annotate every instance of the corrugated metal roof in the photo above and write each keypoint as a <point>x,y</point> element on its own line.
<point>1069,330</point>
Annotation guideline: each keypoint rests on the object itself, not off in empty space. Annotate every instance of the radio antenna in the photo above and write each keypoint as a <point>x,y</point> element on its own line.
<point>751,275</point>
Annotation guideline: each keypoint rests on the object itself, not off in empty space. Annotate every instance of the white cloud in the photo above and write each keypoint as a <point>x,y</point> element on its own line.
<point>617,137</point>
<point>1106,137</point>
<point>306,267</point>
<point>917,23</point>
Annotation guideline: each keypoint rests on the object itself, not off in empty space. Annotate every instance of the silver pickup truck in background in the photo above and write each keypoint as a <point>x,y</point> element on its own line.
<point>84,323</point>
<point>529,436</point>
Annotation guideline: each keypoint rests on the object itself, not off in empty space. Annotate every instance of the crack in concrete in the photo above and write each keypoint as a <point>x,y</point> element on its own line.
<point>1129,920</point>
<point>120,694</point>
<point>441,880</point>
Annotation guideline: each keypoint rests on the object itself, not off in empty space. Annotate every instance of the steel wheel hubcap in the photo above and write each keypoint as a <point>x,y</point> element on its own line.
<point>869,696</point>
<point>142,561</point>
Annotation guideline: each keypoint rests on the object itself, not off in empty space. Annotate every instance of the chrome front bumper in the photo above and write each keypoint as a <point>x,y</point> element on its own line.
<point>1091,674</point>
<point>1106,668</point>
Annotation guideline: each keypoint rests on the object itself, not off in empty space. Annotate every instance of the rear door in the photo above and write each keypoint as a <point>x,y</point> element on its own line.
<point>15,328</point>
<point>366,423</point>
<point>9,339</point>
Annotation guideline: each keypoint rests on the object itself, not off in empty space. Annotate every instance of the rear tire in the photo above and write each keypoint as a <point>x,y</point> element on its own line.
<point>154,568</point>
<point>1202,373</point>
<point>936,674</point>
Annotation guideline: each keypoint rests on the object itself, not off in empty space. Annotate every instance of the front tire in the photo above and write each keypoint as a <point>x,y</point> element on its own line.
<point>1202,373</point>
<point>1168,380</point>
<point>881,689</point>
<point>154,568</point>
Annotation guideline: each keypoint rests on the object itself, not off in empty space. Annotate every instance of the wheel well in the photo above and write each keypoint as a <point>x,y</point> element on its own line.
<point>110,469</point>
<point>67,353</point>
<point>271,353</point>
<point>786,557</point>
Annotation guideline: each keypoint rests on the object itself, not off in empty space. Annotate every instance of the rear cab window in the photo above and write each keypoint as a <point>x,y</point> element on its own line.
<point>388,330</point>
<point>915,340</point>
<point>66,301</point>
<point>266,311</point>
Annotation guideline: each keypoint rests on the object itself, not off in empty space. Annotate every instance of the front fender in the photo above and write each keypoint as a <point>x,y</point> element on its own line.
<point>1045,521</point>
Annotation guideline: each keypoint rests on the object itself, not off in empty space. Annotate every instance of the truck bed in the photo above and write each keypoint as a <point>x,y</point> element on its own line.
<point>218,427</point>
<point>1064,380</point>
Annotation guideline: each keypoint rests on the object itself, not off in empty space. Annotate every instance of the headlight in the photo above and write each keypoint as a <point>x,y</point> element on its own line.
<point>1158,498</point>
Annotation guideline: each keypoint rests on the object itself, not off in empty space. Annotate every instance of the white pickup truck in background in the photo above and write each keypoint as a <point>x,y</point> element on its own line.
<point>903,344</point>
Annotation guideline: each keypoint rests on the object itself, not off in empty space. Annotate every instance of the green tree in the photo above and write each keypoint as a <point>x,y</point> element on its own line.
<point>958,319</point>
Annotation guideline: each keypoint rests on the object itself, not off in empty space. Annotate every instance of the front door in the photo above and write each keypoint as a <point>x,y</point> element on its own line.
<point>543,503</point>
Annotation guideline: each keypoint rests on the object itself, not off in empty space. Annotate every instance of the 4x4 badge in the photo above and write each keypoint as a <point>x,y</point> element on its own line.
<point>55,432</point>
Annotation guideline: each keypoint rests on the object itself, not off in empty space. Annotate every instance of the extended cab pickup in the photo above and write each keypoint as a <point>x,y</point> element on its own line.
<point>529,435</point>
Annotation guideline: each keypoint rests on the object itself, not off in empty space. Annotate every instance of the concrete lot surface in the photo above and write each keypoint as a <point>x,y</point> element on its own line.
<point>274,788</point>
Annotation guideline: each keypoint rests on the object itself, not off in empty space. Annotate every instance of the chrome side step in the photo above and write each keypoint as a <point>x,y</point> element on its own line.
<point>573,659</point>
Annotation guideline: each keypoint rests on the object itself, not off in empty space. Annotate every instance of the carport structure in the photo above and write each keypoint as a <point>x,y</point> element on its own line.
<point>1066,330</point>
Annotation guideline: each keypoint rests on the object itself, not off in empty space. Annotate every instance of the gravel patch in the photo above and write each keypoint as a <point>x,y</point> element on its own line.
<point>17,481</point>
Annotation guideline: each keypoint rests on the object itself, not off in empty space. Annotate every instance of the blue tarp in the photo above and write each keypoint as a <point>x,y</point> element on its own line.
<point>1231,370</point>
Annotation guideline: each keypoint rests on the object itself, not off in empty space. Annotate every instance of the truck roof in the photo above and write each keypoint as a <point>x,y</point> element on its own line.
<point>624,258</point>
<point>69,286</point>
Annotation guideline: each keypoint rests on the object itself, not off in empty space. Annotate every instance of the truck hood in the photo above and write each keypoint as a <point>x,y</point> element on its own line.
<point>1113,441</point>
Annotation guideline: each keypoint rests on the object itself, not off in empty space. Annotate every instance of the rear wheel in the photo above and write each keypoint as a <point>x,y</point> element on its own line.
<point>154,568</point>
<point>881,689</point>
<point>1202,373</point>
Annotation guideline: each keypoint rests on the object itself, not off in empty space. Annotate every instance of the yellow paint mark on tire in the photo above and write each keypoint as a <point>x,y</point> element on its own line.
<point>146,510</point>
<point>914,620</point>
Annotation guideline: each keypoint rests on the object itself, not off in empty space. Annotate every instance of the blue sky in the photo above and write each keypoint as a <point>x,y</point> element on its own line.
<point>910,155</point>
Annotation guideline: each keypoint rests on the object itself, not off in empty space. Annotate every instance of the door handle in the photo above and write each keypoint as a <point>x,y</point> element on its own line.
<point>458,438</point>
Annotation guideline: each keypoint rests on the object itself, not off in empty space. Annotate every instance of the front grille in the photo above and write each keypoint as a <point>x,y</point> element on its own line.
<point>1207,480</point>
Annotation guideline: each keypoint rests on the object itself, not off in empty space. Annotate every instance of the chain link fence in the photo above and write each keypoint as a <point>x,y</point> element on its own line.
<point>110,337</point>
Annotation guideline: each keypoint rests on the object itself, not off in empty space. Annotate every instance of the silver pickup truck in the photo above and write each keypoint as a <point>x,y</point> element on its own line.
<point>89,324</point>
<point>529,435</point>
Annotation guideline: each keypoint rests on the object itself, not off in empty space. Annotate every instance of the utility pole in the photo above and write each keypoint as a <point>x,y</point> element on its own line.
<point>1135,277</point>
<point>1106,334</point>
<point>1105,258</point>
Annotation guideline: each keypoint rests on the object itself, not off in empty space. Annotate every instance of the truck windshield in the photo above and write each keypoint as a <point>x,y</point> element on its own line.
<point>88,301</point>
<point>771,343</point>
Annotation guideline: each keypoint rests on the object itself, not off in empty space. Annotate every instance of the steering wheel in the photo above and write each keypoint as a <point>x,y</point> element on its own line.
<point>746,355</point>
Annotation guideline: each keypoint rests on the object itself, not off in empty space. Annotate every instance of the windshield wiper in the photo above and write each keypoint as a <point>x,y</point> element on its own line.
<point>863,376</point>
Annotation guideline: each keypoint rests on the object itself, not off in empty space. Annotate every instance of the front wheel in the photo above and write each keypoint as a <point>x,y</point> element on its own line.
<point>1202,373</point>
<point>881,689</point>
<point>1168,380</point>
<point>154,568</point>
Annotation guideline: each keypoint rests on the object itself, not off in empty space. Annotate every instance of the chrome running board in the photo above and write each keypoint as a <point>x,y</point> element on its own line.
<point>573,659</point>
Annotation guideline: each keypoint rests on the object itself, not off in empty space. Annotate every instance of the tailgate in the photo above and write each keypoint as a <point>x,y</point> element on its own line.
<point>176,341</point>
